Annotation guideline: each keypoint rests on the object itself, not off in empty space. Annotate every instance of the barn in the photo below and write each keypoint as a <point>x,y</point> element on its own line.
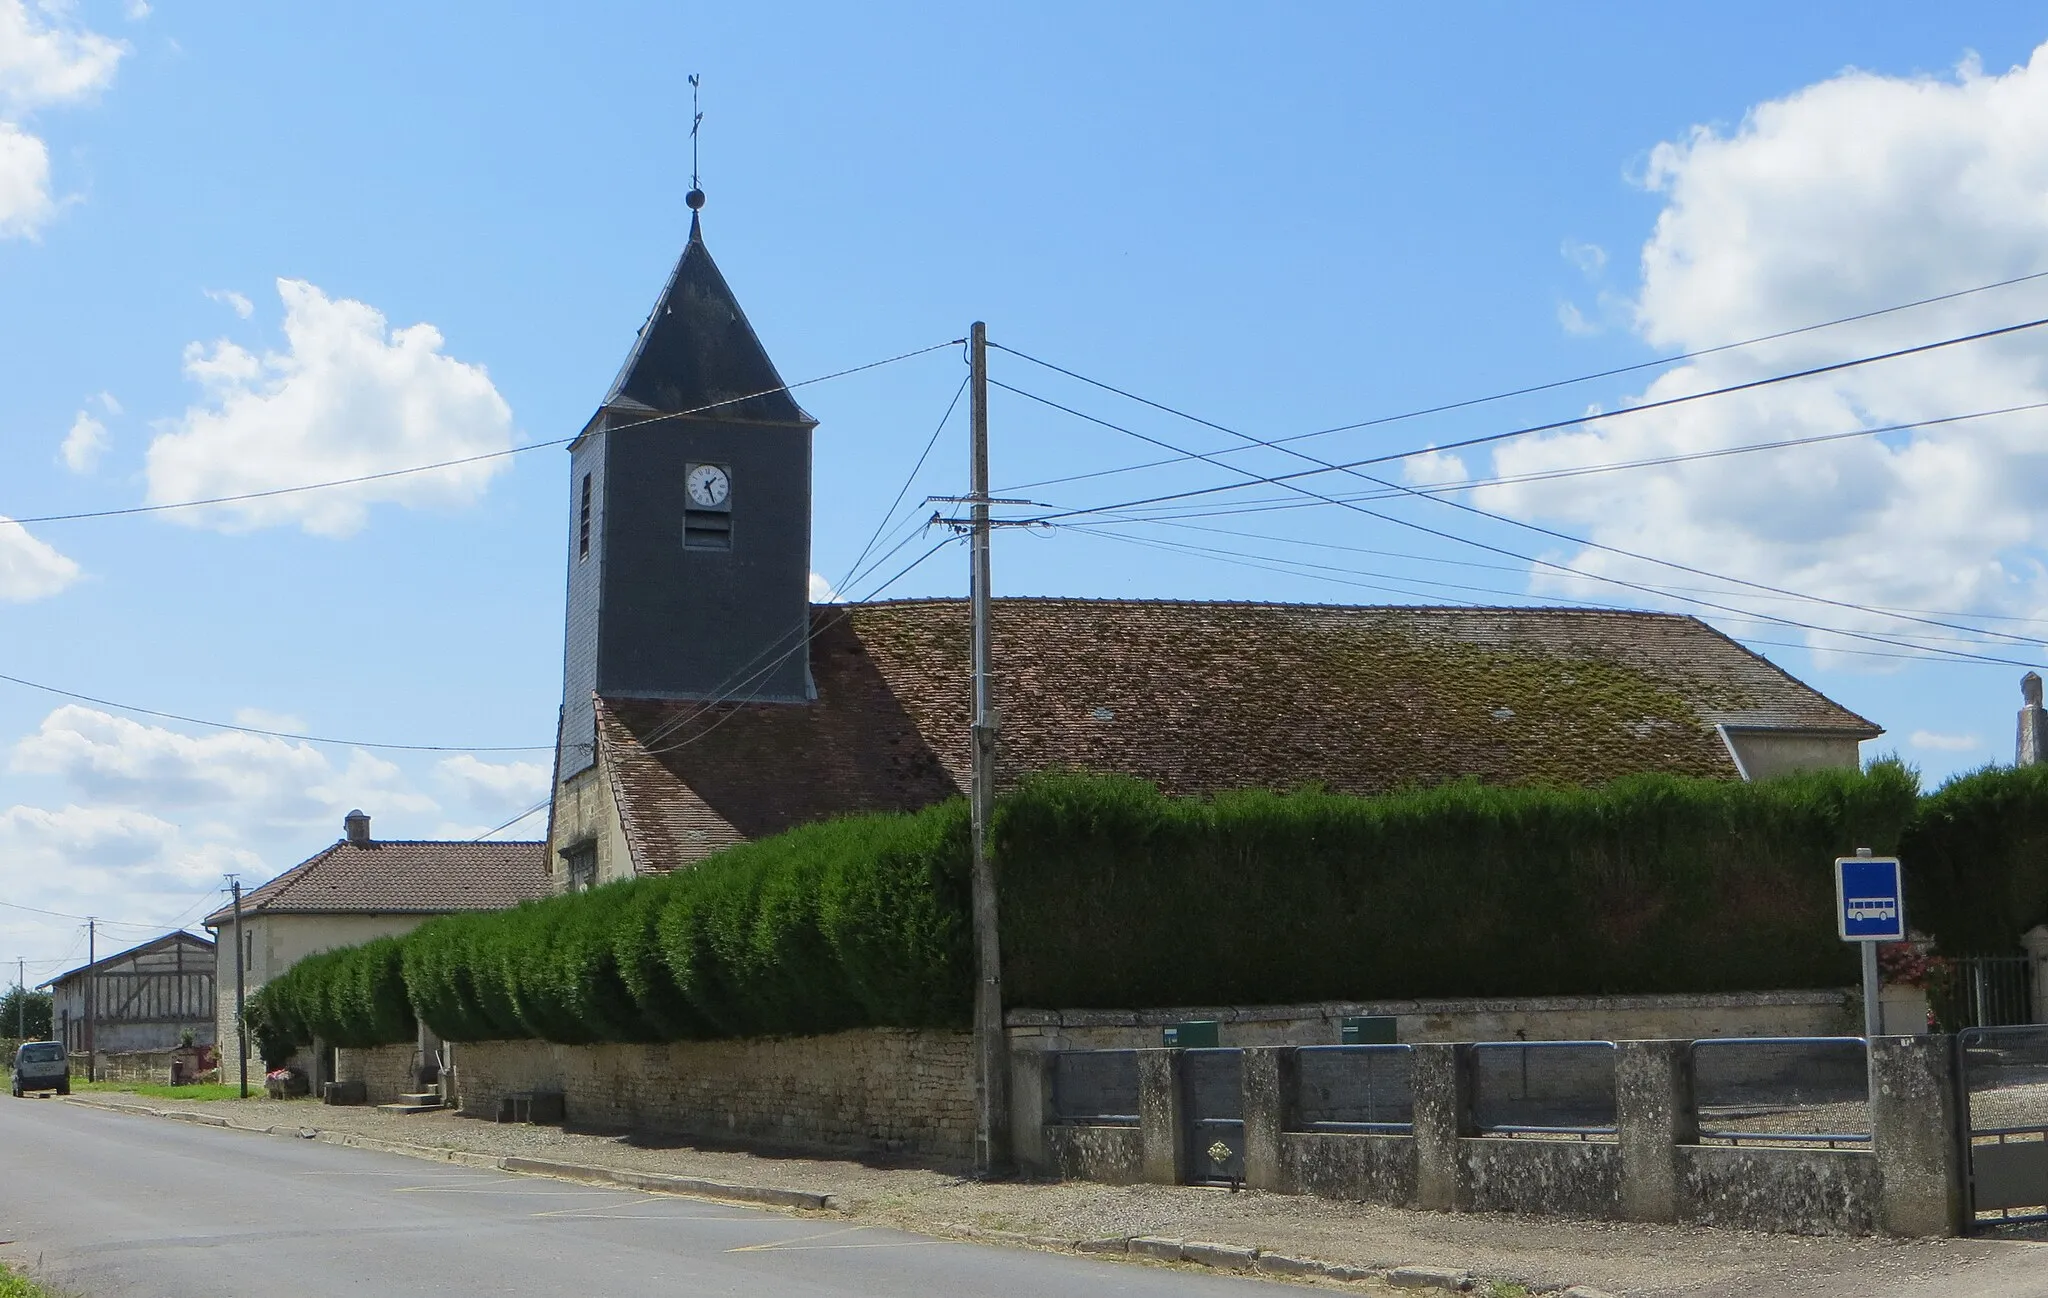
<point>144,998</point>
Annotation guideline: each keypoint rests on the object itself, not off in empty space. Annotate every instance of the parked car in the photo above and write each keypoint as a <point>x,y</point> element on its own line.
<point>41,1066</point>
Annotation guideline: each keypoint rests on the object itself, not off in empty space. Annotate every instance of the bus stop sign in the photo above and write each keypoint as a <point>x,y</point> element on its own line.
<point>1870,903</point>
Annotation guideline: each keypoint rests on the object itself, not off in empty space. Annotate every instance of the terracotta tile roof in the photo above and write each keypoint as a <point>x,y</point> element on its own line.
<point>418,876</point>
<point>1198,698</point>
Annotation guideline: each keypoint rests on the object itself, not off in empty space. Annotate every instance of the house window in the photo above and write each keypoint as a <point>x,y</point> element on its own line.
<point>583,522</point>
<point>580,859</point>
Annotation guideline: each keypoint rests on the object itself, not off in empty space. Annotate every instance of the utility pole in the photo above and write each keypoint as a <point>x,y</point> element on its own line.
<point>991,1055</point>
<point>20,997</point>
<point>241,1028</point>
<point>92,996</point>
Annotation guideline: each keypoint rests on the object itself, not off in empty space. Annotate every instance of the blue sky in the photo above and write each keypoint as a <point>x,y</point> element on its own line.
<point>218,225</point>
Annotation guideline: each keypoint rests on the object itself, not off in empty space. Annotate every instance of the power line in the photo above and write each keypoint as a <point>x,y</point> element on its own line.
<point>1470,402</point>
<point>1402,489</point>
<point>1287,480</point>
<point>1349,466</point>
<point>274,734</point>
<point>471,459</point>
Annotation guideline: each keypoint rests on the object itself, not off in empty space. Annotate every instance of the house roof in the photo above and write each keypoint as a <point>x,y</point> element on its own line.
<point>1198,698</point>
<point>199,945</point>
<point>698,350</point>
<point>402,876</point>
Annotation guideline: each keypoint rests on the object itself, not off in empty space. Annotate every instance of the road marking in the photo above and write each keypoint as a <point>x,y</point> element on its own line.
<point>801,1239</point>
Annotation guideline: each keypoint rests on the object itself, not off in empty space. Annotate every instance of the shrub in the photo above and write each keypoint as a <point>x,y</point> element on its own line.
<point>1976,860</point>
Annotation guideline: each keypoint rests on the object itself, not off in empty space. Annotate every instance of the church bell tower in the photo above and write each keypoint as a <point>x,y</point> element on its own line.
<point>689,518</point>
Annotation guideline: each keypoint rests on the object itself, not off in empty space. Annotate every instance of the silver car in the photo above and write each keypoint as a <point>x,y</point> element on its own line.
<point>41,1066</point>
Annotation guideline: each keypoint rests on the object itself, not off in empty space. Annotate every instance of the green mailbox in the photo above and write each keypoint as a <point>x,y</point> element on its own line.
<point>1199,1034</point>
<point>1368,1030</point>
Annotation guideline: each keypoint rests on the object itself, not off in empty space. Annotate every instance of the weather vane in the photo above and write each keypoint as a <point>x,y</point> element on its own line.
<point>695,198</point>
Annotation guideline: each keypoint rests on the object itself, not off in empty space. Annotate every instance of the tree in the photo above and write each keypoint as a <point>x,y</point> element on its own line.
<point>35,1014</point>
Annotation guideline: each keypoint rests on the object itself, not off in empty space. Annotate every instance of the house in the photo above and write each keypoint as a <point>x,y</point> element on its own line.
<point>706,701</point>
<point>145,998</point>
<point>358,889</point>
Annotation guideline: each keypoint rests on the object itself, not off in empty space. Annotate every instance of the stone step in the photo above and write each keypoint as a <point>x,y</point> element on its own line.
<point>434,1107</point>
<point>422,1098</point>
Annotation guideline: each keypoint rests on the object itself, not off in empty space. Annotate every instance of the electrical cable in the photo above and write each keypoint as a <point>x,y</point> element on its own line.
<point>1402,489</point>
<point>1470,402</point>
<point>1482,545</point>
<point>472,459</point>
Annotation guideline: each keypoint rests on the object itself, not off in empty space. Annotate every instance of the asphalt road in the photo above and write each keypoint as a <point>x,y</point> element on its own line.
<point>109,1205</point>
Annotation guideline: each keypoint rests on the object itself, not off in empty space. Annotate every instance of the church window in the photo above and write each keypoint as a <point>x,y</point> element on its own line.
<point>583,522</point>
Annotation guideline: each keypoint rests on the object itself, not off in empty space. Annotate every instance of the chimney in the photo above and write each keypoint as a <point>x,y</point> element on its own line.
<point>357,826</point>
<point>2032,749</point>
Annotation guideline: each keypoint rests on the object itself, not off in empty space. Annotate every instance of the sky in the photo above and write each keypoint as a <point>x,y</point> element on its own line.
<point>248,248</point>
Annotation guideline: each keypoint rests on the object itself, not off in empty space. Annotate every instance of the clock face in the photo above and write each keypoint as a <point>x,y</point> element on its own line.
<point>708,486</point>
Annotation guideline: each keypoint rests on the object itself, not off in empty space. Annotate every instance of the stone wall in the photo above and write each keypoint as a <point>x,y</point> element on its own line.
<point>386,1072</point>
<point>1825,1013</point>
<point>889,1090</point>
<point>1651,1166</point>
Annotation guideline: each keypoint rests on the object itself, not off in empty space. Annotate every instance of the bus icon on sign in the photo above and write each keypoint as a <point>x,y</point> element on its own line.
<point>1871,904</point>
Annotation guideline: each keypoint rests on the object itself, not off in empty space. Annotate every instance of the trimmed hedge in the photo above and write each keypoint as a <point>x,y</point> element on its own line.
<point>851,923</point>
<point>1114,895</point>
<point>353,996</point>
<point>1976,860</point>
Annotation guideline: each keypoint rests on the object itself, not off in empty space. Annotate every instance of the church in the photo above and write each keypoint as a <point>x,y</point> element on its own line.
<point>706,701</point>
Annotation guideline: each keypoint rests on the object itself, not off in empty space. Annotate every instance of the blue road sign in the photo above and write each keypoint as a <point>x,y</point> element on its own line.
<point>1871,904</point>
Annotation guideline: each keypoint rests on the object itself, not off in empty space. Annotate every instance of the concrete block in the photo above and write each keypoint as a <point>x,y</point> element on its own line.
<point>1266,1088</point>
<point>1439,1082</point>
<point>1281,1264</point>
<point>1108,1244</point>
<point>1427,1277</point>
<point>1224,1257</point>
<point>1654,1115</point>
<point>1586,1291</point>
<point>1353,1273</point>
<point>1912,1133</point>
<point>1156,1246</point>
<point>1163,1135</point>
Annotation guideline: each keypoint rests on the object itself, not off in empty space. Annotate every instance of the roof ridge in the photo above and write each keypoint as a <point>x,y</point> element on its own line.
<point>1276,605</point>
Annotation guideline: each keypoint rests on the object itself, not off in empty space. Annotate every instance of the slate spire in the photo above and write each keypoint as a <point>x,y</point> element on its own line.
<point>697,350</point>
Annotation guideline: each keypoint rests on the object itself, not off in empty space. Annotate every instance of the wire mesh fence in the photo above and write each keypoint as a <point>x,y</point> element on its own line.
<point>1354,1088</point>
<point>1809,1092</point>
<point>1095,1087</point>
<point>1543,1088</point>
<point>2005,1089</point>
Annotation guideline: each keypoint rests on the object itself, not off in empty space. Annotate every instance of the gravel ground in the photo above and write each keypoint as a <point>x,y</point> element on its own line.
<point>1541,1252</point>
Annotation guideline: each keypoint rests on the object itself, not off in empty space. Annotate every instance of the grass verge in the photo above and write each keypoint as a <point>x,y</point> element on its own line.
<point>202,1091</point>
<point>13,1284</point>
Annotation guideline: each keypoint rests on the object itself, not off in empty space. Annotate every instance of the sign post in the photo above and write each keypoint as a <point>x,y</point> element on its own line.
<point>1870,907</point>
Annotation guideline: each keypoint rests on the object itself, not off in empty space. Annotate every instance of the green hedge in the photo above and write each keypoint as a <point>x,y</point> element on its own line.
<point>1976,860</point>
<point>855,922</point>
<point>1116,896</point>
<point>353,996</point>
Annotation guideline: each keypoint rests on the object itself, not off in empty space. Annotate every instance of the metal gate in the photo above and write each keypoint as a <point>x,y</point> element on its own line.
<point>2004,1072</point>
<point>1986,991</point>
<point>1212,1109</point>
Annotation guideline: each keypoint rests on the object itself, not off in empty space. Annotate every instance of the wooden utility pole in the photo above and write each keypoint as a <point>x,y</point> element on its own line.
<point>241,1027</point>
<point>20,998</point>
<point>92,996</point>
<point>991,1055</point>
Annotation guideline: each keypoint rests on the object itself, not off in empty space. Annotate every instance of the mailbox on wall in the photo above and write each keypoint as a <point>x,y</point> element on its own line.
<point>1197,1034</point>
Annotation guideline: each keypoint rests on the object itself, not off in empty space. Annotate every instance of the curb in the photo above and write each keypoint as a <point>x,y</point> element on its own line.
<point>1237,1258</point>
<point>653,1182</point>
<point>662,1183</point>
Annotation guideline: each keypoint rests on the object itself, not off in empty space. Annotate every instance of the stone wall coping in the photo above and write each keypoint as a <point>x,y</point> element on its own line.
<point>1117,1018</point>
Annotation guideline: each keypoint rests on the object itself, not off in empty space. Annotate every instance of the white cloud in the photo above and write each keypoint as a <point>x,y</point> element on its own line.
<point>1941,743</point>
<point>266,783</point>
<point>29,568</point>
<point>822,591</point>
<point>236,302</point>
<point>260,719</point>
<point>1859,192</point>
<point>1590,258</point>
<point>44,62</point>
<point>346,398</point>
<point>25,202</point>
<point>136,10</point>
<point>1574,320</point>
<point>501,786</point>
<point>84,444</point>
<point>107,402</point>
